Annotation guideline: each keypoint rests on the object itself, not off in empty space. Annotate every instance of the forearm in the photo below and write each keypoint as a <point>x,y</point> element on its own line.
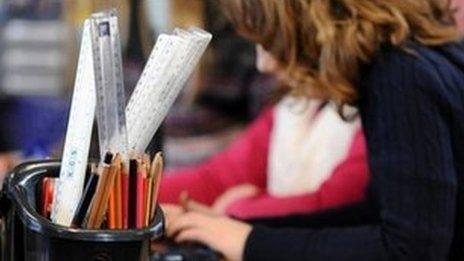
<point>243,162</point>
<point>346,186</point>
<point>192,181</point>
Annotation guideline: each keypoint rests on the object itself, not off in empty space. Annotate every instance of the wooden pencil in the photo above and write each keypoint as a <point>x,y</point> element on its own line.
<point>114,168</point>
<point>111,209</point>
<point>102,171</point>
<point>114,202</point>
<point>118,196</point>
<point>146,163</point>
<point>156,172</point>
<point>148,206</point>
<point>146,160</point>
<point>141,176</point>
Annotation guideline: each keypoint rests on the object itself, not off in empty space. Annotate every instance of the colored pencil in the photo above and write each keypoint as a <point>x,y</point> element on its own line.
<point>114,168</point>
<point>114,201</point>
<point>103,169</point>
<point>118,195</point>
<point>156,172</point>
<point>141,175</point>
<point>148,197</point>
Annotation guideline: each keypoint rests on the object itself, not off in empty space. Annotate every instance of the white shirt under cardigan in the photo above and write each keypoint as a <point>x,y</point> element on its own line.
<point>308,141</point>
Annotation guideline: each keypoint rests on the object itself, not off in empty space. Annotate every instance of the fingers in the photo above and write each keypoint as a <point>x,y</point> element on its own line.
<point>198,235</point>
<point>193,234</point>
<point>222,234</point>
<point>171,212</point>
<point>184,222</point>
<point>171,208</point>
<point>234,194</point>
<point>192,205</point>
<point>189,204</point>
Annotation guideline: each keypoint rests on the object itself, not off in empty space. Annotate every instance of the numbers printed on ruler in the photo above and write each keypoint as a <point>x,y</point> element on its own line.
<point>77,143</point>
<point>99,84</point>
<point>148,86</point>
<point>111,117</point>
<point>151,86</point>
<point>171,63</point>
<point>99,89</point>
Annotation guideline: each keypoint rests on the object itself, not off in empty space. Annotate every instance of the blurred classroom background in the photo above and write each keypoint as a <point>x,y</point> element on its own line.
<point>39,44</point>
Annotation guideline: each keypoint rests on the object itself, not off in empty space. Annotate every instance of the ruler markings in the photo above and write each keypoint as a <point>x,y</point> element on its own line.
<point>99,89</point>
<point>77,141</point>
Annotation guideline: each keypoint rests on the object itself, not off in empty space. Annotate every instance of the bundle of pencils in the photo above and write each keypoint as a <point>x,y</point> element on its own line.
<point>123,196</point>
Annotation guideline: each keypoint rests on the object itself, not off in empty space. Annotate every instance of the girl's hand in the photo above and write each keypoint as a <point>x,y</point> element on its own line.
<point>232,195</point>
<point>222,234</point>
<point>171,212</point>
<point>219,206</point>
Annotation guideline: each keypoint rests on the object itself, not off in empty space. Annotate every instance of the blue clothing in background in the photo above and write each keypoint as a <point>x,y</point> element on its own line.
<point>33,125</point>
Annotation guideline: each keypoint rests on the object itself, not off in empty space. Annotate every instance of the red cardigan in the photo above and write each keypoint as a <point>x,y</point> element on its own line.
<point>245,161</point>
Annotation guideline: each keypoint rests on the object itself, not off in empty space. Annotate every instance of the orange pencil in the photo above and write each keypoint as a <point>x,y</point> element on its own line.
<point>114,168</point>
<point>112,210</point>
<point>104,187</point>
<point>114,202</point>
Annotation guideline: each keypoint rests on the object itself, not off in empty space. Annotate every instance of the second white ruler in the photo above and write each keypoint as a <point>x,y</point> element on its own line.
<point>171,63</point>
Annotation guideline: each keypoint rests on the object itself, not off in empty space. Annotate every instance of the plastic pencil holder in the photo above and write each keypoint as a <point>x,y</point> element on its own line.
<point>26,235</point>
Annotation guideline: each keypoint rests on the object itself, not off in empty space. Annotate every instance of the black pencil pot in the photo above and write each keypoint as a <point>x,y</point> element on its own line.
<point>26,235</point>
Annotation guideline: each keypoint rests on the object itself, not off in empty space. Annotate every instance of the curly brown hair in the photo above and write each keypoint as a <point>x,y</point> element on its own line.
<point>323,43</point>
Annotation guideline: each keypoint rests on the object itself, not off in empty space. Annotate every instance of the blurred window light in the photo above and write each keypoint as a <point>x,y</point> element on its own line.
<point>158,14</point>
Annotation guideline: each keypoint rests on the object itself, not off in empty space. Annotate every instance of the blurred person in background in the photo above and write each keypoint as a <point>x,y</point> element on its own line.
<point>297,156</point>
<point>225,93</point>
<point>401,62</point>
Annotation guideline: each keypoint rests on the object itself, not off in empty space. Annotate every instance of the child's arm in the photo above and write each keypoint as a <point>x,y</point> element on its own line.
<point>245,161</point>
<point>346,186</point>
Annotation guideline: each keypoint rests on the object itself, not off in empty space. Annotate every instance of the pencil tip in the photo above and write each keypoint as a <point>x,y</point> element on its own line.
<point>108,157</point>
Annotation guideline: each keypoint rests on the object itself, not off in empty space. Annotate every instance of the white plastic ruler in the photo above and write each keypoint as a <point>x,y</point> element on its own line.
<point>171,63</point>
<point>99,89</point>
<point>68,188</point>
<point>140,101</point>
<point>111,101</point>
